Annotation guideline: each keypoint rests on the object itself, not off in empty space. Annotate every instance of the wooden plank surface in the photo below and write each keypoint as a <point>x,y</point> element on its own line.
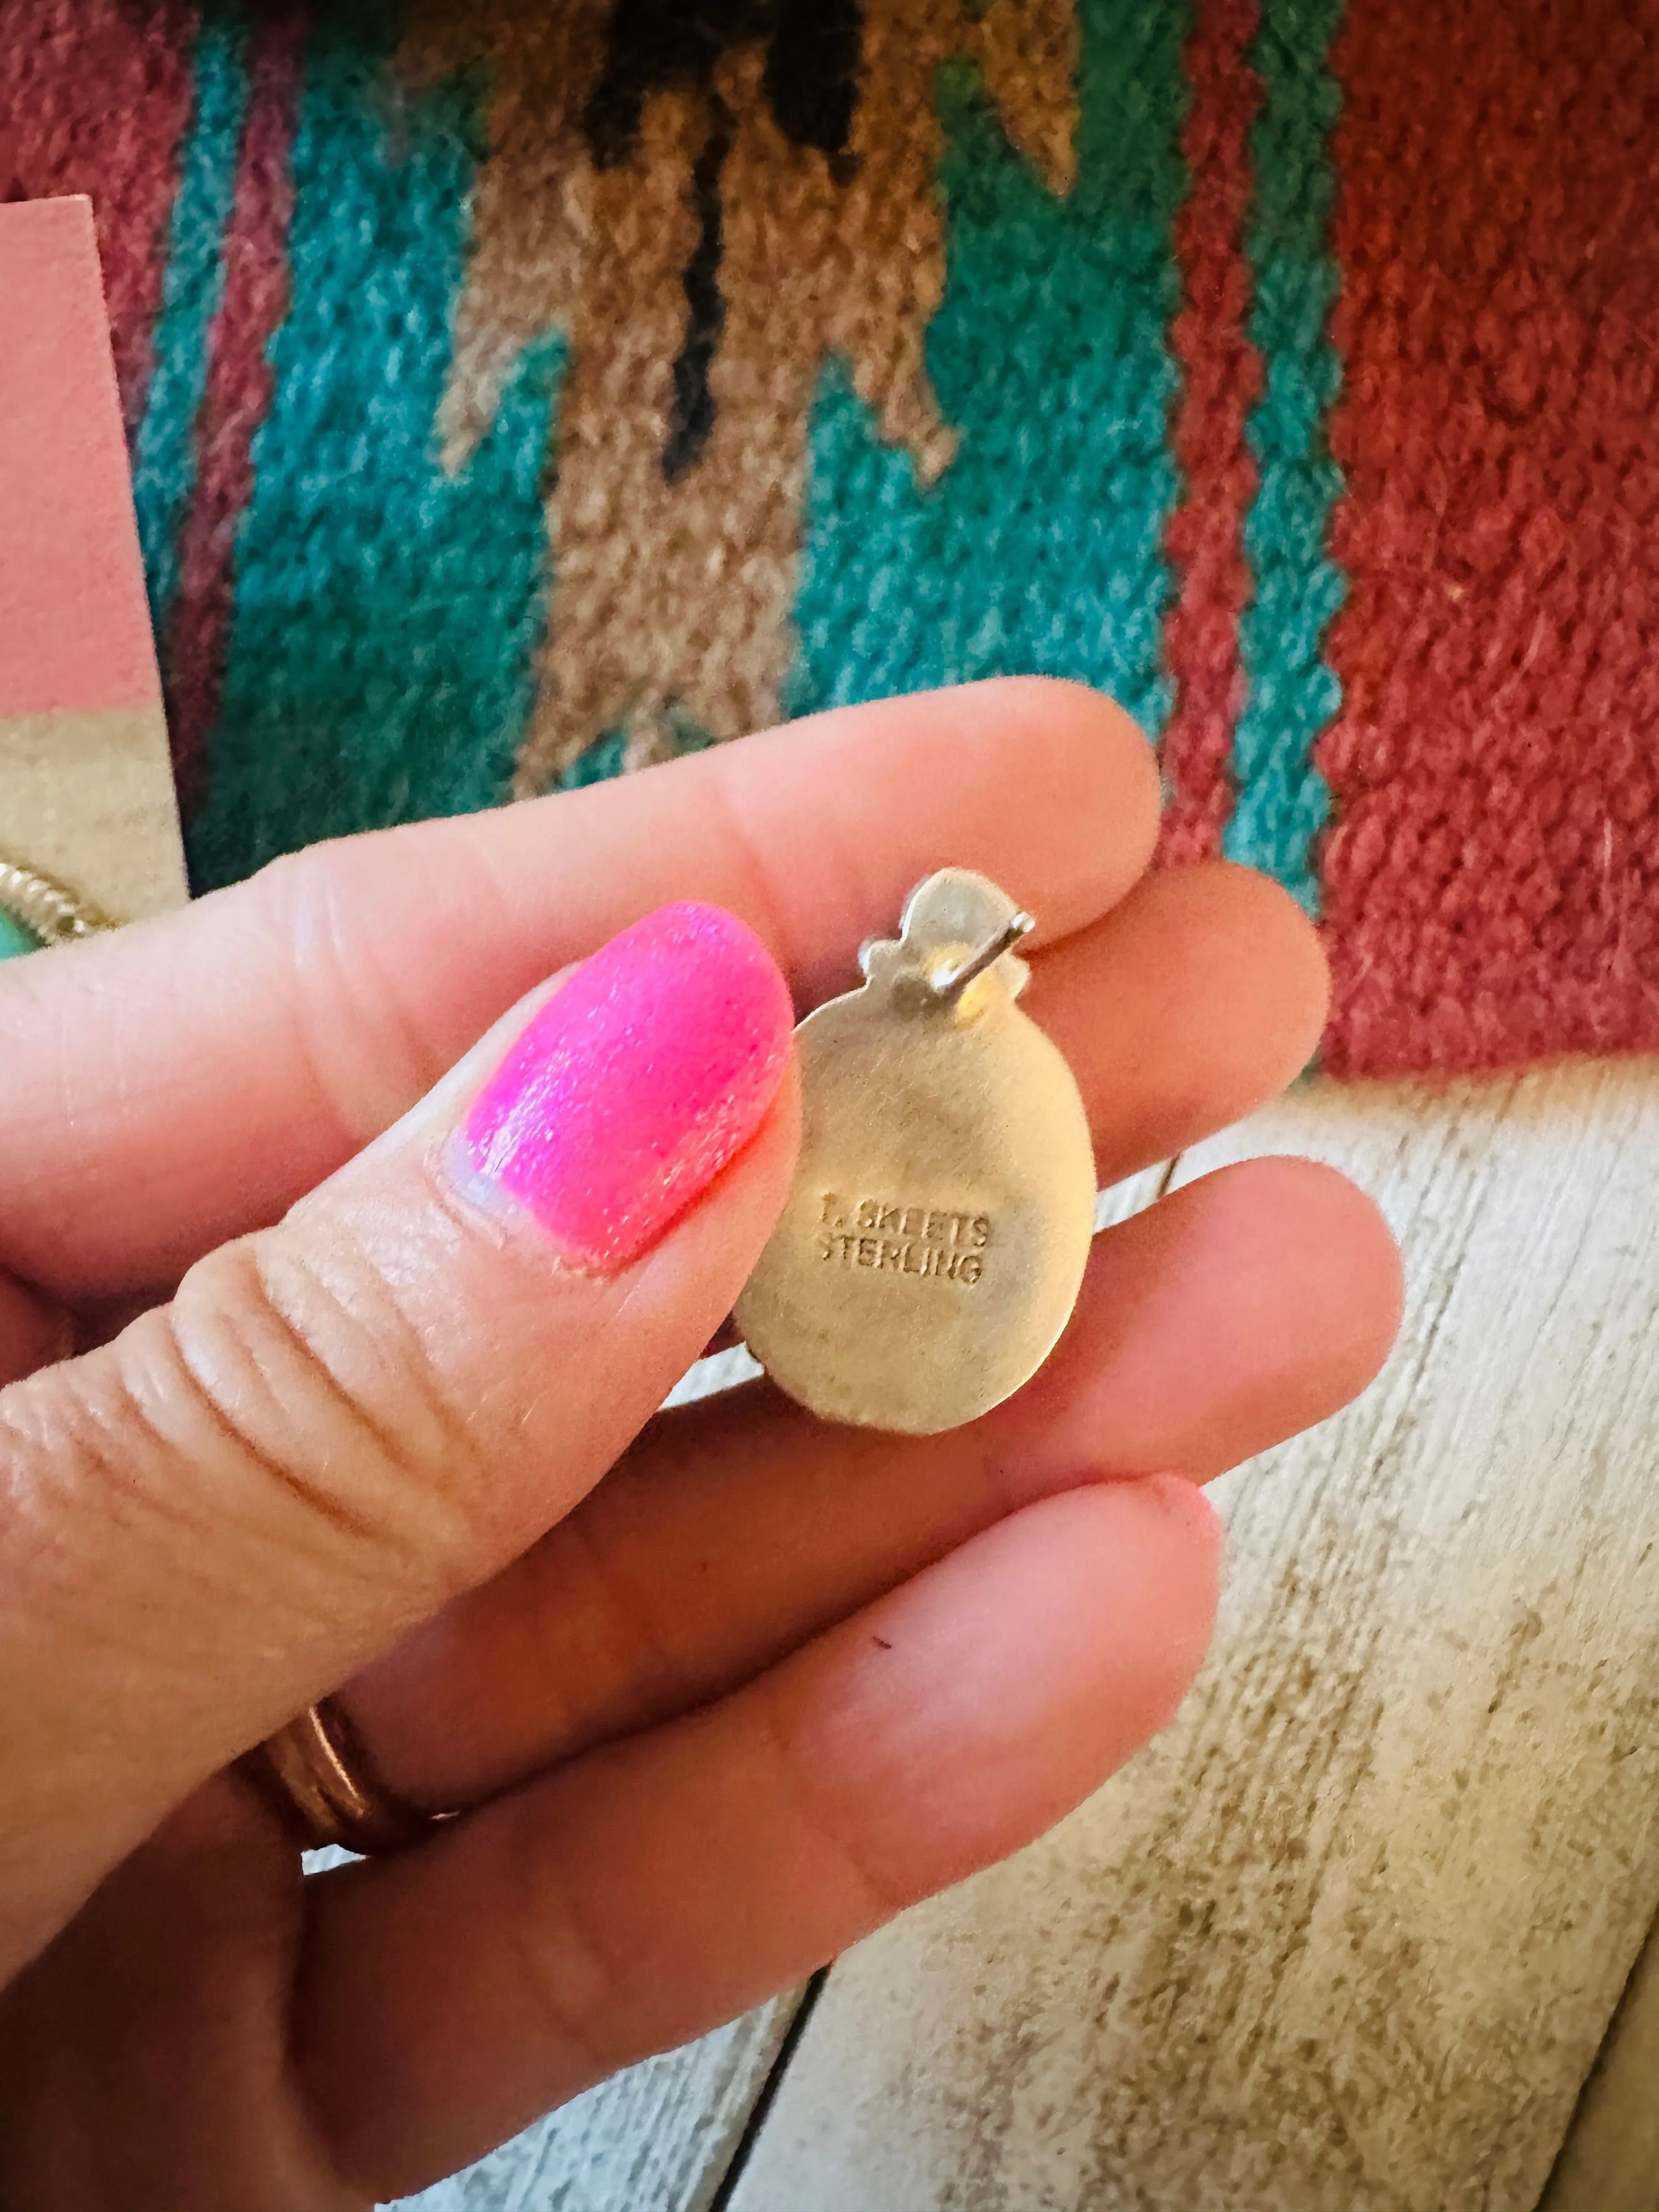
<point>1349,1934</point>
<point>658,2138</point>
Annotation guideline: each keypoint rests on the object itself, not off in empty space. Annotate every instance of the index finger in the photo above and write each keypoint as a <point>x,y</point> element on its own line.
<point>184,1081</point>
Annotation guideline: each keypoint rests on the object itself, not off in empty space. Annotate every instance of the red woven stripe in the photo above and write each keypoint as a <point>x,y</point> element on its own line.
<point>237,395</point>
<point>94,97</point>
<point>1490,886</point>
<point>1223,374</point>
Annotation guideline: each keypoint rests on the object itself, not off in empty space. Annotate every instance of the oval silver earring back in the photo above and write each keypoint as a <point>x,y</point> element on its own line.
<point>934,1240</point>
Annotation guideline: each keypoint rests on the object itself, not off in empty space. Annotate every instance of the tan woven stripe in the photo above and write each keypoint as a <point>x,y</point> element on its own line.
<point>674,598</point>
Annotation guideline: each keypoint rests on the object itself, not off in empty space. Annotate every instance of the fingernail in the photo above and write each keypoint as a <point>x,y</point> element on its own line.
<point>645,1074</point>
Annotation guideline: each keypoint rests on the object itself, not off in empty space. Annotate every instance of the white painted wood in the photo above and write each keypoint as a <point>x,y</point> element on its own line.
<point>1131,1195</point>
<point>720,1370</point>
<point>658,2138</point>
<point>1349,1934</point>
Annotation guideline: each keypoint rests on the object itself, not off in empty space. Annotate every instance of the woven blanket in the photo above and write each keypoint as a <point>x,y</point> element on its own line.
<point>519,390</point>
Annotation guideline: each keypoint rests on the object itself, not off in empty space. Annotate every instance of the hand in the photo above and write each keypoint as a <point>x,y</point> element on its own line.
<point>727,1687</point>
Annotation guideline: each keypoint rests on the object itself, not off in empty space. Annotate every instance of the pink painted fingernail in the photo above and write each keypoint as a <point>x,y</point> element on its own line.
<point>643,1075</point>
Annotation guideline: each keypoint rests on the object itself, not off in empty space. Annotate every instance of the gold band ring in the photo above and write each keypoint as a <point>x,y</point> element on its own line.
<point>324,1784</point>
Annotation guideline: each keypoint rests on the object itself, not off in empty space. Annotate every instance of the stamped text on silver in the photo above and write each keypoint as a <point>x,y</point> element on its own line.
<point>924,1241</point>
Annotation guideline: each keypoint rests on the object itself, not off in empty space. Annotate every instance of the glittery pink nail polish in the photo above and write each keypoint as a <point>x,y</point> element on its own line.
<point>646,1071</point>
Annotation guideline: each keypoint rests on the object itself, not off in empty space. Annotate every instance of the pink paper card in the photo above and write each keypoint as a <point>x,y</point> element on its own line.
<point>85,787</point>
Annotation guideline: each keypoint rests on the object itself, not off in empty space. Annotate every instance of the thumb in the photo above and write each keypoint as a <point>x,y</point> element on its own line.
<point>341,1421</point>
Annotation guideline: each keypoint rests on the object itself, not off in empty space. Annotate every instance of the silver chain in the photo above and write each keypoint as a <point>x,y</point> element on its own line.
<point>46,908</point>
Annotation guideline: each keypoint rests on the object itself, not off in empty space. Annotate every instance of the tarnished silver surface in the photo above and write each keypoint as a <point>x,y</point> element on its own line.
<point>935,1239</point>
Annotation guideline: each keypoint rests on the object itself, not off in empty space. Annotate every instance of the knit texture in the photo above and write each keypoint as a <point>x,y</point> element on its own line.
<point>523,391</point>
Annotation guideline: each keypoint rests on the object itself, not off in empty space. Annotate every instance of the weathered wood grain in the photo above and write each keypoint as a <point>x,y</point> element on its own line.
<point>1349,1934</point>
<point>658,2138</point>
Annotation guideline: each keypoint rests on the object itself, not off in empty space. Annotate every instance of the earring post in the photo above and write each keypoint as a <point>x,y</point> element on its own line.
<point>950,988</point>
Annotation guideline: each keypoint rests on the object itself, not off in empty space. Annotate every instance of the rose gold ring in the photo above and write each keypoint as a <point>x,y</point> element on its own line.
<point>323,1783</point>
